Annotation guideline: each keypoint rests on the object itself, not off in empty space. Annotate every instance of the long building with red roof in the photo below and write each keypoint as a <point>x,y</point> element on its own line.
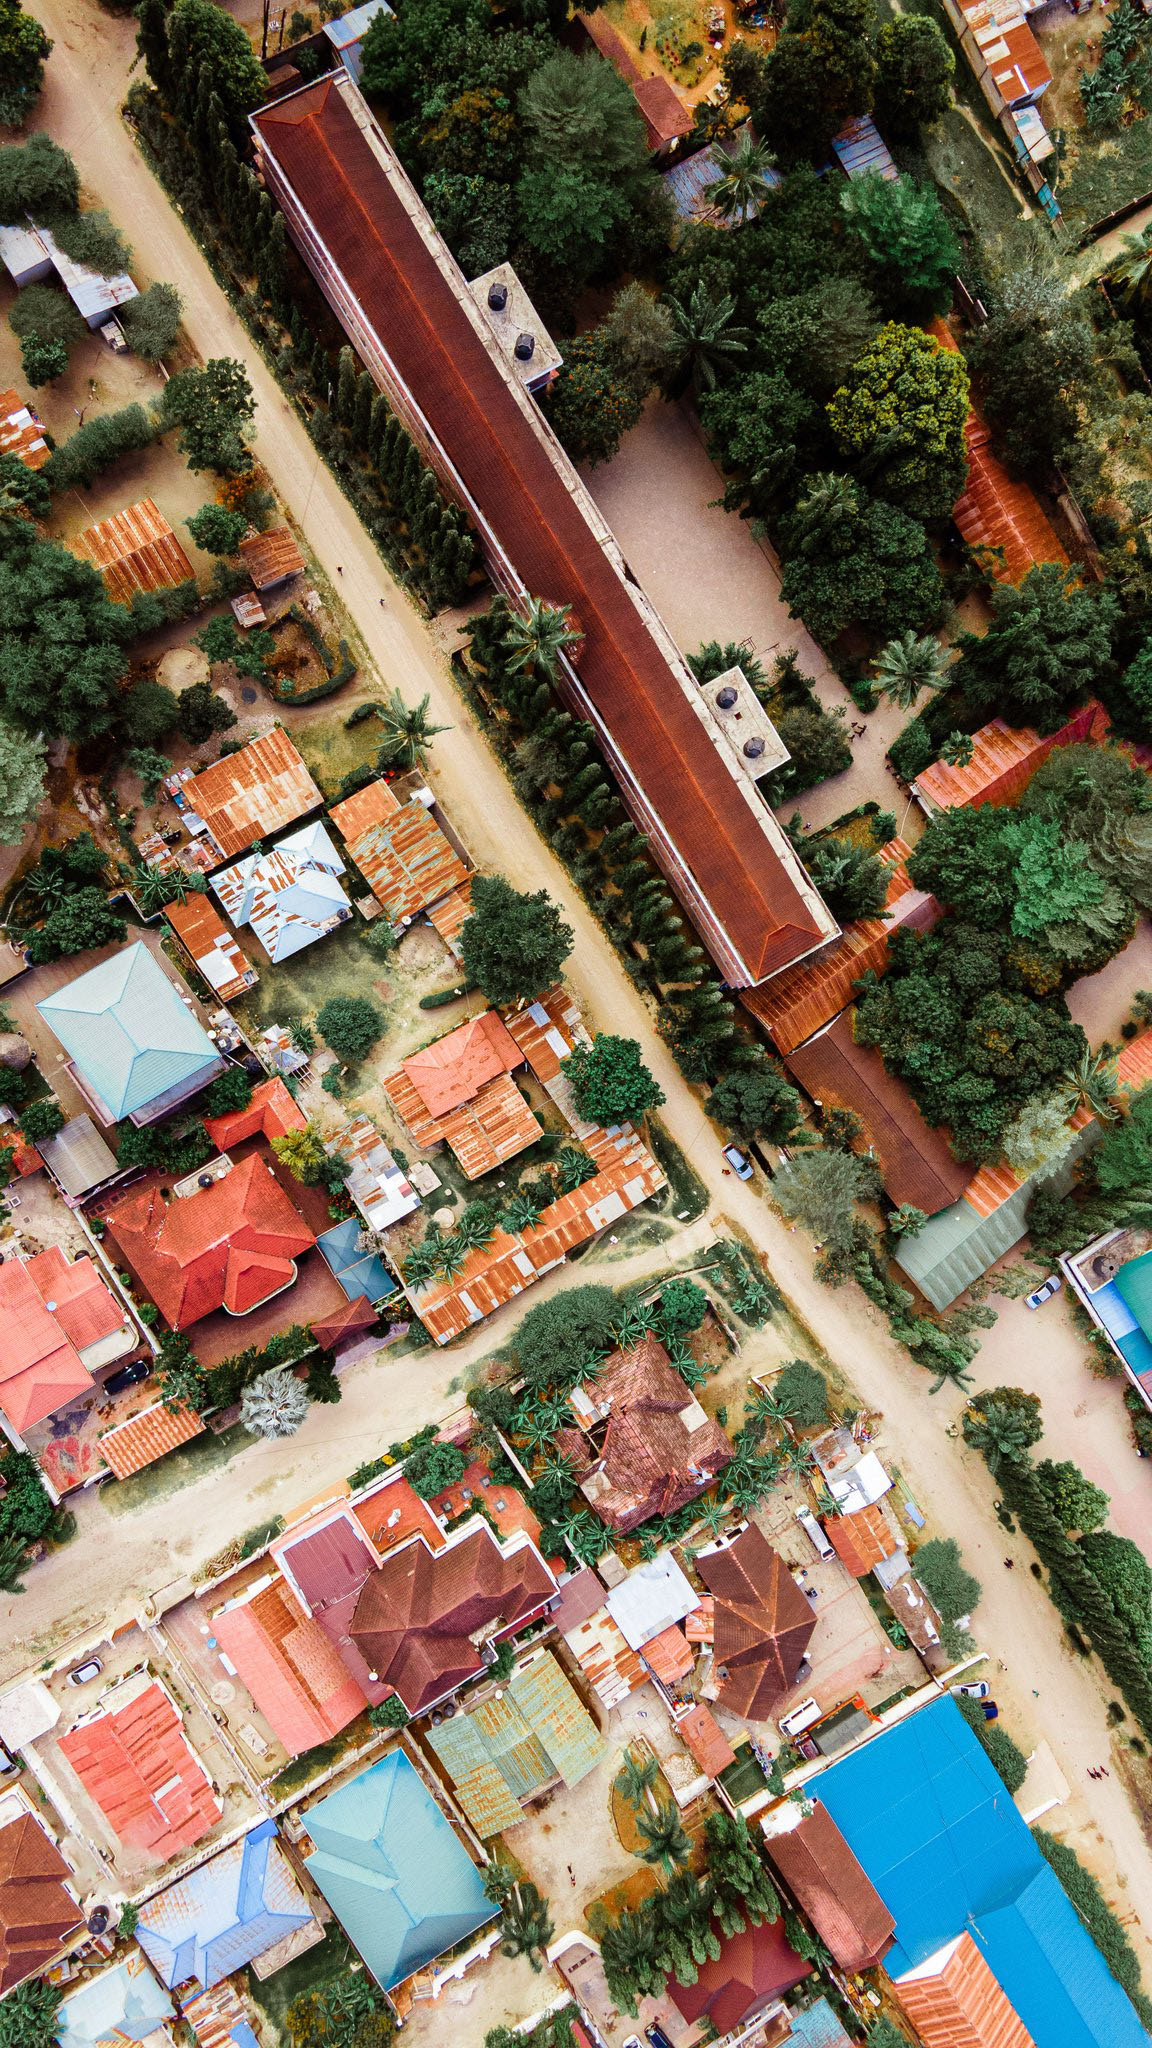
<point>136,1764</point>
<point>232,1245</point>
<point>405,305</point>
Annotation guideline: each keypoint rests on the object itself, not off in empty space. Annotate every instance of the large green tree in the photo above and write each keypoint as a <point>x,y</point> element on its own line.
<point>914,73</point>
<point>756,1101</point>
<point>513,945</point>
<point>900,416</point>
<point>24,47</point>
<point>200,34</point>
<point>213,407</point>
<point>906,233</point>
<point>821,1187</point>
<point>872,568</point>
<point>1077,1503</point>
<point>21,781</point>
<point>61,640</point>
<point>610,1082</point>
<point>1049,644</point>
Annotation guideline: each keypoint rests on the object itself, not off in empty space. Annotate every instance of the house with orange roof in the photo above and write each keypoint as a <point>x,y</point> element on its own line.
<point>213,950</point>
<point>996,512</point>
<point>136,1764</point>
<point>134,550</point>
<point>459,1091</point>
<point>252,793</point>
<point>59,1324</point>
<point>127,1447</point>
<point>39,1910</point>
<point>271,1113</point>
<point>1004,760</point>
<point>294,1673</point>
<point>231,1245</point>
<point>405,858</point>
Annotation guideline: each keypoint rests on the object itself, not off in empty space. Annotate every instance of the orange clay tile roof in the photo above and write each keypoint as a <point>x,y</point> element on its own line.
<point>627,1175</point>
<point>294,1674</point>
<point>368,230</point>
<point>962,2004</point>
<point>134,550</point>
<point>915,1160</point>
<point>1134,1062</point>
<point>451,914</point>
<point>251,794</point>
<point>271,557</point>
<point>668,1655</point>
<point>270,1114</point>
<point>148,1435</point>
<point>211,947</point>
<point>1004,760</point>
<point>796,1003</point>
<point>660,1448</point>
<point>37,1915</point>
<point>231,1245</point>
<point>21,433</point>
<point>483,1133</point>
<point>367,806</point>
<point>136,1763</point>
<point>406,861</point>
<point>41,1369</point>
<point>861,1539</point>
<point>763,1624</point>
<point>996,510</point>
<point>393,1512</point>
<point>705,1740</point>
<point>699,1625</point>
<point>454,1068</point>
<point>833,1889</point>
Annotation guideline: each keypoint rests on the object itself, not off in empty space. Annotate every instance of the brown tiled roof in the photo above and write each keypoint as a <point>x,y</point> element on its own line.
<point>350,1321</point>
<point>762,1624</point>
<point>668,1655</point>
<point>1004,760</point>
<point>660,1449</point>
<point>212,948</point>
<point>833,1889</point>
<point>147,1436</point>
<point>248,795</point>
<point>451,914</point>
<point>914,1159</point>
<point>417,1618</point>
<point>406,861</point>
<point>862,1539</point>
<point>961,2003</point>
<point>37,1915</point>
<point>752,1968</point>
<point>364,807</point>
<point>271,557</point>
<point>21,433</point>
<point>796,1003</point>
<point>705,1740</point>
<point>134,550</point>
<point>373,234</point>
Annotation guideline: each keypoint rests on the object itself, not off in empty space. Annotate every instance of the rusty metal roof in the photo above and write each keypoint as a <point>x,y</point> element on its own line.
<point>406,861</point>
<point>134,550</point>
<point>211,947</point>
<point>915,1160</point>
<point>451,914</point>
<point>271,557</point>
<point>1004,760</point>
<point>254,792</point>
<point>364,807</point>
<point>21,433</point>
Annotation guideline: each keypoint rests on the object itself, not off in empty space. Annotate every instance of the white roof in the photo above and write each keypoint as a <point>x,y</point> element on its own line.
<point>89,291</point>
<point>862,1486</point>
<point>653,1597</point>
<point>290,896</point>
<point>26,1713</point>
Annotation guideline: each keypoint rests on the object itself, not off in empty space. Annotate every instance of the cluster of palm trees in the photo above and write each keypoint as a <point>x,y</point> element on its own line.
<point>440,1254</point>
<point>663,1838</point>
<point>526,1924</point>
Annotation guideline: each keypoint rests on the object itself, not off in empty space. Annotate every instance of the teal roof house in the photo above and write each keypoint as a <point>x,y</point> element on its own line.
<point>136,1049</point>
<point>397,1877</point>
<point>120,2006</point>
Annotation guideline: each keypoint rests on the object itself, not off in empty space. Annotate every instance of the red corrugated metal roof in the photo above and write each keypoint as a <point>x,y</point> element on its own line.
<point>138,1766</point>
<point>1134,1062</point>
<point>915,1160</point>
<point>666,117</point>
<point>406,860</point>
<point>134,550</point>
<point>451,914</point>
<point>271,557</point>
<point>148,1435</point>
<point>248,795</point>
<point>363,217</point>
<point>1004,760</point>
<point>454,1068</point>
<point>997,510</point>
<point>668,1655</point>
<point>367,806</point>
<point>230,1245</point>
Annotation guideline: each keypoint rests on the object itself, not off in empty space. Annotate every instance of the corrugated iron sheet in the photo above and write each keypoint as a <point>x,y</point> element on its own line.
<point>211,947</point>
<point>271,557</point>
<point>915,1160</point>
<point>134,550</point>
<point>451,914</point>
<point>407,862</point>
<point>364,807</point>
<point>250,794</point>
<point>21,433</point>
<point>861,149</point>
<point>558,1717</point>
<point>1004,760</point>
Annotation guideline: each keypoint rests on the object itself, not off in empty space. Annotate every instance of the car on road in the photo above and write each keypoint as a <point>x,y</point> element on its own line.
<point>657,2036</point>
<point>129,1375</point>
<point>976,1689</point>
<point>86,1672</point>
<point>1044,1292</point>
<point>739,1162</point>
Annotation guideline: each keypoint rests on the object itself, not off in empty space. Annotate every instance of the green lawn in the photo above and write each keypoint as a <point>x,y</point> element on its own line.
<point>1106,174</point>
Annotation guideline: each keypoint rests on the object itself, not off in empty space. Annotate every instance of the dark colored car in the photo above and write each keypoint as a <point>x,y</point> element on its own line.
<point>657,2036</point>
<point>129,1375</point>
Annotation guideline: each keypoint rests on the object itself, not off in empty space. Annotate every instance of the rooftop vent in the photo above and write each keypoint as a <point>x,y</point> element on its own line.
<point>753,748</point>
<point>727,698</point>
<point>525,347</point>
<point>497,297</point>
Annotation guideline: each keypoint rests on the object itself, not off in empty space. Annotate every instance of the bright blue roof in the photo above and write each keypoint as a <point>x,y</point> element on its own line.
<point>362,1276</point>
<point>128,1031</point>
<point>218,1917</point>
<point>398,1879</point>
<point>122,2004</point>
<point>938,1834</point>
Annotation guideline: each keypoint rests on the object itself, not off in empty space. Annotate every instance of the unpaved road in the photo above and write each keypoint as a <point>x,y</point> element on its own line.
<point>1053,1694</point>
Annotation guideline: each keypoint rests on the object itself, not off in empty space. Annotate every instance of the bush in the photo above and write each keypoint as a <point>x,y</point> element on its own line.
<point>148,713</point>
<point>952,1590</point>
<point>217,530</point>
<point>683,1306</point>
<point>230,1091</point>
<point>432,1467</point>
<point>610,1082</point>
<point>201,711</point>
<point>391,1713</point>
<point>42,361</point>
<point>559,1339</point>
<point>92,239</point>
<point>41,1119</point>
<point>804,1393</point>
<point>351,1025</point>
<point>1005,1756</point>
<point>97,444</point>
<point>152,321</point>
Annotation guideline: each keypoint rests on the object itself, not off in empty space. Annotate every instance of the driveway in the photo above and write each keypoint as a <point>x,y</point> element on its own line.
<point>1043,1688</point>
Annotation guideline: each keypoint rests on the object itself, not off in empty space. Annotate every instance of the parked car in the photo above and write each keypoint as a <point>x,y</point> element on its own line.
<point>86,1672</point>
<point>1044,1293</point>
<point>129,1375</point>
<point>976,1689</point>
<point>815,1533</point>
<point>990,1709</point>
<point>657,2036</point>
<point>739,1162</point>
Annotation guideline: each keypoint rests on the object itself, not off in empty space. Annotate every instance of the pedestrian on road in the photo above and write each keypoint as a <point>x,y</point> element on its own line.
<point>571,1873</point>
<point>1009,1564</point>
<point>339,568</point>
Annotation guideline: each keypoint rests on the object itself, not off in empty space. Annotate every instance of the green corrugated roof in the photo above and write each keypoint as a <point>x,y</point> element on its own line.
<point>517,1752</point>
<point>956,1247</point>
<point>1134,1286</point>
<point>566,1729</point>
<point>483,1791</point>
<point>513,1744</point>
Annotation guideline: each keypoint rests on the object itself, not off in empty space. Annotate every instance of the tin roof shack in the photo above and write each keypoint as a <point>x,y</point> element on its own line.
<point>399,848</point>
<point>271,558</point>
<point>253,793</point>
<point>666,119</point>
<point>347,35</point>
<point>290,896</point>
<point>134,550</point>
<point>30,254</point>
<point>21,433</point>
<point>916,1161</point>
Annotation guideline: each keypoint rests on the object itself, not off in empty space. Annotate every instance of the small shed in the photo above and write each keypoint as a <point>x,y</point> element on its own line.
<point>347,35</point>
<point>21,433</point>
<point>134,550</point>
<point>271,558</point>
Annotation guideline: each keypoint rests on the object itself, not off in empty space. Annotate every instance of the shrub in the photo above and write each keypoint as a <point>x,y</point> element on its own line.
<point>201,711</point>
<point>683,1306</point>
<point>391,1713</point>
<point>559,1339</point>
<point>351,1025</point>
<point>152,320</point>
<point>148,713</point>
<point>41,1119</point>
<point>432,1467</point>
<point>230,1090</point>
<point>804,1393</point>
<point>952,1590</point>
<point>217,530</point>
<point>97,444</point>
<point>610,1082</point>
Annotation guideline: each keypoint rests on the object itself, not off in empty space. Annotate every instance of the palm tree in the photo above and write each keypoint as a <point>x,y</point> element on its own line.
<point>452,1253</point>
<point>409,732</point>
<point>713,1518</point>
<point>797,1458</point>
<point>154,890</point>
<point>1132,270</point>
<point>628,1953</point>
<point>957,750</point>
<point>950,1366</point>
<point>638,1321</point>
<point>827,504</point>
<point>765,1406</point>
<point>1092,1084</point>
<point>584,1534</point>
<point>422,1263</point>
<point>537,636</point>
<point>527,1926</point>
<point>705,342</point>
<point>541,1422</point>
<point>553,1485</point>
<point>743,184</point>
<point>636,1777</point>
<point>663,1836</point>
<point>274,1404</point>
<point>910,663</point>
<point>12,1561</point>
<point>1001,1434</point>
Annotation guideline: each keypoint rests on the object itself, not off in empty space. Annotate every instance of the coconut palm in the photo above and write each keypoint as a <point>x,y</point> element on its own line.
<point>274,1404</point>
<point>452,1253</point>
<point>408,732</point>
<point>662,1834</point>
<point>743,184</point>
<point>713,1518</point>
<point>628,1951</point>
<point>1001,1434</point>
<point>827,504</point>
<point>13,1558</point>
<point>541,1422</point>
<point>957,749</point>
<point>635,1778</point>
<point>638,1321</point>
<point>537,636</point>
<point>1132,269</point>
<point>910,663</point>
<point>706,342</point>
<point>422,1263</point>
<point>154,890</point>
<point>476,1226</point>
<point>526,1927</point>
<point>1092,1084</point>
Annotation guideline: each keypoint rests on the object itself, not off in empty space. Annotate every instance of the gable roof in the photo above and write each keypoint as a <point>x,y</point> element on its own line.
<point>353,814</point>
<point>21,433</point>
<point>705,1740</point>
<point>271,557</point>
<point>271,1113</point>
<point>916,1160</point>
<point>129,1034</point>
<point>134,1760</point>
<point>397,1877</point>
<point>293,1672</point>
<point>666,117</point>
<point>122,2004</point>
<point>418,1617</point>
<point>491,1127</point>
<point>953,1997</point>
<point>831,1887</point>
<point>715,838</point>
<point>209,1924</point>
<point>862,1538</point>
<point>37,1914</point>
<point>231,1245</point>
<point>134,550</point>
<point>254,792</point>
<point>660,1448</point>
<point>751,1968</point>
<point>149,1434</point>
<point>996,510</point>
<point>41,1369</point>
<point>1004,760</point>
<point>403,855</point>
<point>454,1068</point>
<point>290,896</point>
<point>762,1623</point>
<point>211,947</point>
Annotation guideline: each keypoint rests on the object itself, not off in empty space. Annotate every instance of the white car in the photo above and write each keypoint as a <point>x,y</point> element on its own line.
<point>739,1162</point>
<point>1045,1291</point>
<point>976,1689</point>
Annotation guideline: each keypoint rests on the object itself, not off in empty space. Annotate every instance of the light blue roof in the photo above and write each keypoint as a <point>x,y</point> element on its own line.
<point>122,2004</point>
<point>128,1031</point>
<point>942,1841</point>
<point>363,1277</point>
<point>218,1917</point>
<point>398,1879</point>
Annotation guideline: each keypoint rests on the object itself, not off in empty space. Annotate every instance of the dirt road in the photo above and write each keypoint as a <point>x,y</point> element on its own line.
<point>1053,1694</point>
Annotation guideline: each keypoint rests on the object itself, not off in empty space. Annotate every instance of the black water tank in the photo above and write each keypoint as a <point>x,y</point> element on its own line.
<point>728,697</point>
<point>525,347</point>
<point>497,297</point>
<point>753,748</point>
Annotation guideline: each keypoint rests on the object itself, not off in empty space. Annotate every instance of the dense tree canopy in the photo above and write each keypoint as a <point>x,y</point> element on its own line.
<point>914,72</point>
<point>213,407</point>
<point>1049,644</point>
<point>513,945</point>
<point>902,411</point>
<point>61,639</point>
<point>610,1082</point>
<point>907,235</point>
<point>876,570</point>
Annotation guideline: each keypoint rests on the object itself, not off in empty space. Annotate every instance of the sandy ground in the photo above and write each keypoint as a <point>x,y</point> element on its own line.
<point>1043,1686</point>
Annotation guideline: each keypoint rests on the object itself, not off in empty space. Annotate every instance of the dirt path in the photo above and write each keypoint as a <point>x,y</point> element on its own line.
<point>1052,1693</point>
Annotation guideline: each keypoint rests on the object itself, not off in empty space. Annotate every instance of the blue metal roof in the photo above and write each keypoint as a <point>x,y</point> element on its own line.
<point>128,1031</point>
<point>362,1276</point>
<point>122,2004</point>
<point>861,148</point>
<point>943,1843</point>
<point>217,1918</point>
<point>397,1877</point>
<point>818,2027</point>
